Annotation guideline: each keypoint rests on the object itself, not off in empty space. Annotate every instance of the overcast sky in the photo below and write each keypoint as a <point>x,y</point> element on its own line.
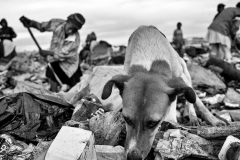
<point>112,20</point>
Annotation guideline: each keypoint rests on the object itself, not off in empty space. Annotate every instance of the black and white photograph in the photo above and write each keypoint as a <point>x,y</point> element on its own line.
<point>119,80</point>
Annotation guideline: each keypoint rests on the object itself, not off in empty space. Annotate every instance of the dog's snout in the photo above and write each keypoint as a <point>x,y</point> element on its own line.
<point>134,155</point>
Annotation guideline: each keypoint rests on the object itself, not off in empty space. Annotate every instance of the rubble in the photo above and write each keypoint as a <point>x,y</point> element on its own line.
<point>107,128</point>
<point>232,98</point>
<point>204,78</point>
<point>213,100</point>
<point>234,154</point>
<point>209,132</point>
<point>227,70</point>
<point>24,86</point>
<point>183,144</point>
<point>31,116</point>
<point>96,80</point>
<point>105,152</point>
<point>84,110</point>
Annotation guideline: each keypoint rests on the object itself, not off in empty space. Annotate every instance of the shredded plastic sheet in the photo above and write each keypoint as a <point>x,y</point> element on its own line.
<point>27,116</point>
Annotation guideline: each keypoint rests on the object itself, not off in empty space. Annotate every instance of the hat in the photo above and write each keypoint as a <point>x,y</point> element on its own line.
<point>221,5</point>
<point>77,20</point>
<point>238,5</point>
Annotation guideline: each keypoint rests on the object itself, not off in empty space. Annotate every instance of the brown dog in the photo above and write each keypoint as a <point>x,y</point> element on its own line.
<point>155,76</point>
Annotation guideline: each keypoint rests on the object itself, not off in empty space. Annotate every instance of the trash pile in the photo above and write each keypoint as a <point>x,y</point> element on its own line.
<point>26,66</point>
<point>36,124</point>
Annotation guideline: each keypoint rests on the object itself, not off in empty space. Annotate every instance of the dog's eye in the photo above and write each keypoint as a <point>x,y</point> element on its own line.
<point>152,124</point>
<point>128,121</point>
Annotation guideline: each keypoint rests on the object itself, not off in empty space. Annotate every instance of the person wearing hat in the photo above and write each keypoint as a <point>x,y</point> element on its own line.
<point>90,37</point>
<point>63,53</point>
<point>221,32</point>
<point>220,8</point>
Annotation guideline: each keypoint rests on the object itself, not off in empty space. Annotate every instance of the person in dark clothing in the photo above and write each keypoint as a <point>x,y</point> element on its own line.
<point>220,8</point>
<point>6,36</point>
<point>6,32</point>
<point>85,53</point>
<point>221,32</point>
<point>63,66</point>
<point>178,40</point>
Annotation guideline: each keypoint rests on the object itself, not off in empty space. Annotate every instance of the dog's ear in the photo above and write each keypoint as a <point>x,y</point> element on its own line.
<point>179,86</point>
<point>118,81</point>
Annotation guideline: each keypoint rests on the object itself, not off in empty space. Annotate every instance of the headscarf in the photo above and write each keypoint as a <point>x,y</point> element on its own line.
<point>77,20</point>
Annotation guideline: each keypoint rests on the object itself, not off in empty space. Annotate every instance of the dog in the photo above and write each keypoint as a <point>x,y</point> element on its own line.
<point>156,75</point>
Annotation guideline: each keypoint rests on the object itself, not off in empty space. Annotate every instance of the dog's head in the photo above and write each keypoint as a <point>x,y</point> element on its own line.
<point>146,97</point>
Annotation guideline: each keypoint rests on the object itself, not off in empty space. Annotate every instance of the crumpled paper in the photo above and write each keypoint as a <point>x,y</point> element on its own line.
<point>178,144</point>
<point>11,149</point>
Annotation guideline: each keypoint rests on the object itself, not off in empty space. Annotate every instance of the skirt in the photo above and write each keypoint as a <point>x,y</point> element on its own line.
<point>72,81</point>
<point>214,37</point>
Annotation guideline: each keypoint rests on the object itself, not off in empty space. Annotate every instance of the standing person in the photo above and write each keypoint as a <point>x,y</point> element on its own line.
<point>62,56</point>
<point>178,40</point>
<point>234,36</point>
<point>90,37</point>
<point>6,36</point>
<point>220,8</point>
<point>219,33</point>
<point>85,53</point>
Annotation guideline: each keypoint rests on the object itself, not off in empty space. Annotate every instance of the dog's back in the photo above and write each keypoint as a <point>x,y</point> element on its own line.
<point>146,45</point>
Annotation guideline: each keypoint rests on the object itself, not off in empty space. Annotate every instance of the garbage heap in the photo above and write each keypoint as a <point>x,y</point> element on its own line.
<point>36,124</point>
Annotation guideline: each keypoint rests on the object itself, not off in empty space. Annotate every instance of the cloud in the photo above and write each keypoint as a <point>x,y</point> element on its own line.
<point>113,20</point>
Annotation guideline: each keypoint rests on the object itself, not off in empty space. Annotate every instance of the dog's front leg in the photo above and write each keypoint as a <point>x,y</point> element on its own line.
<point>191,110</point>
<point>192,115</point>
<point>204,112</point>
<point>207,115</point>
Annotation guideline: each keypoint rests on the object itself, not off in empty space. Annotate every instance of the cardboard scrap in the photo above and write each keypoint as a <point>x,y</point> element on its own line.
<point>72,144</point>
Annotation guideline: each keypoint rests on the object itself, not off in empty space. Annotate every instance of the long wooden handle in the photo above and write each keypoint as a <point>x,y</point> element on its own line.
<point>57,78</point>
<point>39,48</point>
<point>34,39</point>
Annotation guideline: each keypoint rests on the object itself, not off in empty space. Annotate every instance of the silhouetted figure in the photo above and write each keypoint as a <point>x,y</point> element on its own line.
<point>7,48</point>
<point>178,40</point>
<point>90,37</point>
<point>220,8</point>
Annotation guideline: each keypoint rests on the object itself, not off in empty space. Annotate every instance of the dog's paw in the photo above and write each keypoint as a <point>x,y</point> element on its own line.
<point>217,122</point>
<point>194,121</point>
